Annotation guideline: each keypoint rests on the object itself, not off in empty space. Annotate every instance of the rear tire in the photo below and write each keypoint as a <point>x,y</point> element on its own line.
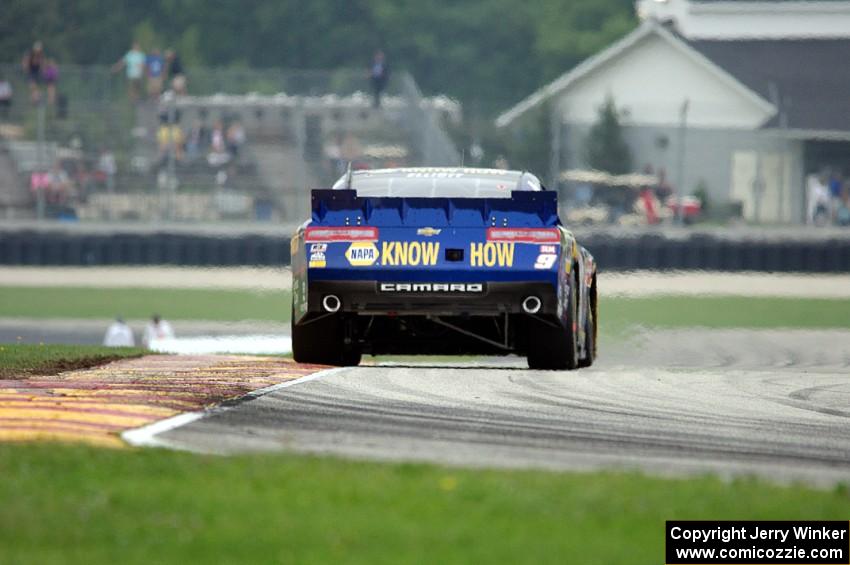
<point>322,342</point>
<point>590,331</point>
<point>554,348</point>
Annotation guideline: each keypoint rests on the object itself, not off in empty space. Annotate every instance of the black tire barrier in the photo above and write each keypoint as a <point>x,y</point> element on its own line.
<point>649,251</point>
<point>54,248</point>
<point>705,252</point>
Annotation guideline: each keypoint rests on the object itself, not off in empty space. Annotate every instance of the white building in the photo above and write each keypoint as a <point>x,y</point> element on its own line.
<point>762,89</point>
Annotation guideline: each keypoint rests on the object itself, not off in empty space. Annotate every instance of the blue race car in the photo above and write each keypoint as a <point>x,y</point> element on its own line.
<point>441,261</point>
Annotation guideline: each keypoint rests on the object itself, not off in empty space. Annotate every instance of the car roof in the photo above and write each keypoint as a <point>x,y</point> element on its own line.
<point>516,176</point>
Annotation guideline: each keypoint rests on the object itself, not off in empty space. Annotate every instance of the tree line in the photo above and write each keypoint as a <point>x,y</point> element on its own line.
<point>487,53</point>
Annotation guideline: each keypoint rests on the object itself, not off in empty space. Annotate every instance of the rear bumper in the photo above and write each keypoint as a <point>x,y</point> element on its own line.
<point>382,298</point>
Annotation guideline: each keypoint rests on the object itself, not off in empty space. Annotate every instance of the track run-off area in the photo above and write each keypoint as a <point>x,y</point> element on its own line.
<point>731,402</point>
<point>678,401</point>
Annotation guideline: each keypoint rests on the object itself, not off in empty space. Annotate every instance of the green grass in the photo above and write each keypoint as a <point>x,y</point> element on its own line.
<point>108,506</point>
<point>616,313</point>
<point>26,359</point>
<point>140,303</point>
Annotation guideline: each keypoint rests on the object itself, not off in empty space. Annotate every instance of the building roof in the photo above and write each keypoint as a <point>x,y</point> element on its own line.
<point>589,65</point>
<point>808,79</point>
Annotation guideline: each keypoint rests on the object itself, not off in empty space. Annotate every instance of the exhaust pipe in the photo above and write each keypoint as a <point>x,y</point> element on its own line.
<point>331,303</point>
<point>531,305</point>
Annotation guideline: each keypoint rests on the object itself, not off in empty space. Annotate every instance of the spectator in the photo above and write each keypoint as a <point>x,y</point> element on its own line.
<point>156,329</point>
<point>119,334</point>
<point>32,62</point>
<point>218,154</point>
<point>6,94</point>
<point>155,65</point>
<point>39,184</point>
<point>175,72</point>
<point>817,200</point>
<point>133,62</point>
<point>106,169</point>
<point>843,215</point>
<point>59,186</point>
<point>170,138</point>
<point>379,74</point>
<point>197,140</point>
<point>834,194</point>
<point>50,76</point>
<point>235,138</point>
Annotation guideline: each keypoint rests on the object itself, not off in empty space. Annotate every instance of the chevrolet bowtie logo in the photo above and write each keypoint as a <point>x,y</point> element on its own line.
<point>428,231</point>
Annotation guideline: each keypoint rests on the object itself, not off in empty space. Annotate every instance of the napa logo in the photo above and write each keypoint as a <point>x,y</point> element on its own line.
<point>362,254</point>
<point>410,253</point>
<point>491,254</point>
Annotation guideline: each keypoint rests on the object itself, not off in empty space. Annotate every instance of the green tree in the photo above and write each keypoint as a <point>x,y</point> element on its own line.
<point>487,53</point>
<point>531,142</point>
<point>606,149</point>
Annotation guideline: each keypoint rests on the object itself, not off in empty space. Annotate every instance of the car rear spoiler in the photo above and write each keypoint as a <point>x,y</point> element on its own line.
<point>523,209</point>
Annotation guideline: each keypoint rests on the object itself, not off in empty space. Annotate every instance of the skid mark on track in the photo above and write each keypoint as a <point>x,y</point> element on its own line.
<point>95,405</point>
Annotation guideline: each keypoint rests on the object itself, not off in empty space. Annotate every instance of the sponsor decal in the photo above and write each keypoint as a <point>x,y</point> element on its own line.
<point>524,235</point>
<point>428,231</point>
<point>548,249</point>
<point>410,253</point>
<point>318,247</point>
<point>317,234</point>
<point>317,261</point>
<point>447,288</point>
<point>362,253</point>
<point>545,261</point>
<point>491,254</point>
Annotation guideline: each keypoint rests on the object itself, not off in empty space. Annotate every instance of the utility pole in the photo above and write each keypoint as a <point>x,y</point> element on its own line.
<point>680,162</point>
<point>782,109</point>
<point>555,154</point>
<point>172,164</point>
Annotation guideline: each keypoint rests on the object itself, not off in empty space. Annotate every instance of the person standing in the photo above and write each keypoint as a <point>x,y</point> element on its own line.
<point>379,75</point>
<point>817,196</point>
<point>50,76</point>
<point>119,334</point>
<point>155,65</point>
<point>835,186</point>
<point>133,62</point>
<point>175,72</point>
<point>32,62</point>
<point>157,329</point>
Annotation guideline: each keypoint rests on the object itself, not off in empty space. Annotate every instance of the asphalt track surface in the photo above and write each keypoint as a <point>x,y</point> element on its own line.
<point>731,402</point>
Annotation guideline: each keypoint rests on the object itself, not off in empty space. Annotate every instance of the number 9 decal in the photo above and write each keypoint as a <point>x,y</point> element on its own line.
<point>545,261</point>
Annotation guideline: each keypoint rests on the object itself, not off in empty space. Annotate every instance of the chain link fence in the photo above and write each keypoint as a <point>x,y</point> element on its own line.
<point>240,145</point>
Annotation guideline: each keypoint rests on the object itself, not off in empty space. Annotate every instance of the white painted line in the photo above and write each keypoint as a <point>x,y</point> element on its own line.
<point>313,376</point>
<point>146,436</point>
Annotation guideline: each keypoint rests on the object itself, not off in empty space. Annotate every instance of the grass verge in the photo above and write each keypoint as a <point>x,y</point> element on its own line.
<point>140,303</point>
<point>22,360</point>
<point>109,506</point>
<point>616,313</point>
